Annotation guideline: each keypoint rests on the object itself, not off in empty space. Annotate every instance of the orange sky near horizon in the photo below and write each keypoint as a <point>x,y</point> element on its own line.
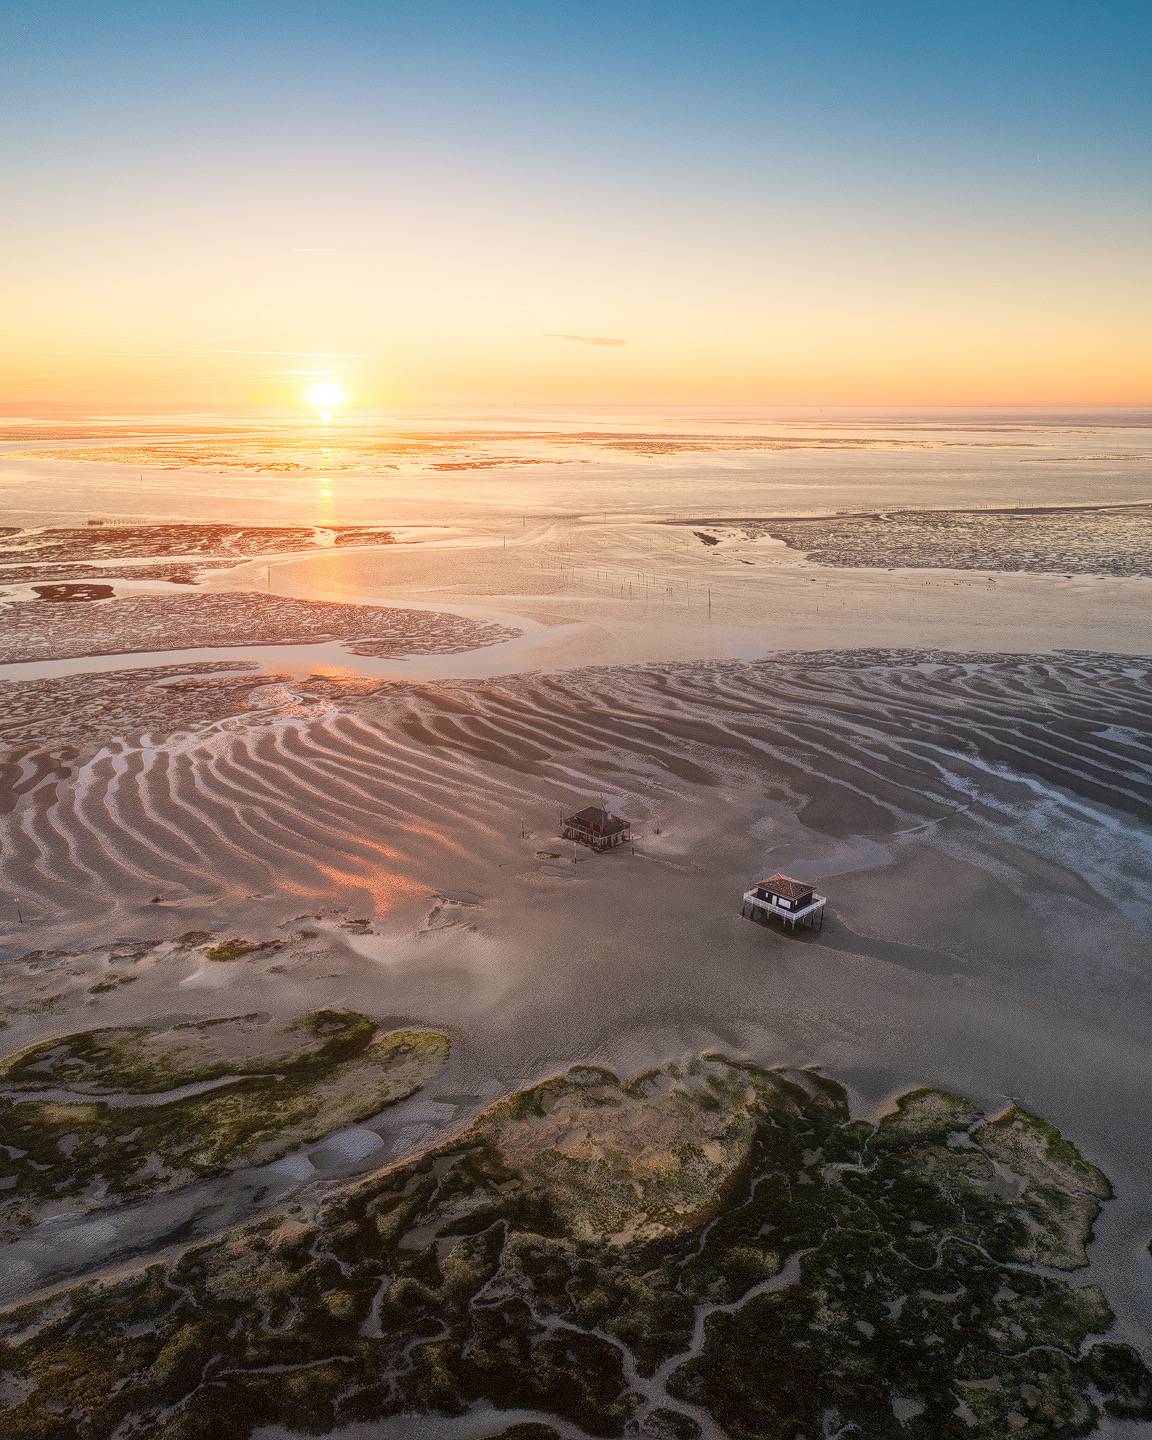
<point>808,315</point>
<point>826,355</point>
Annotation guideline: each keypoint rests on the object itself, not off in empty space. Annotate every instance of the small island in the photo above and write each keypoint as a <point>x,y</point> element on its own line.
<point>106,1116</point>
<point>705,1244</point>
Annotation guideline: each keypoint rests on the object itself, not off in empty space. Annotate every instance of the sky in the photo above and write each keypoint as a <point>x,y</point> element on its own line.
<point>872,203</point>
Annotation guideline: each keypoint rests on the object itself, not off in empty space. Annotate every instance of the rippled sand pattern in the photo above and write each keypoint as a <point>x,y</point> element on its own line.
<point>853,744</point>
<point>84,710</point>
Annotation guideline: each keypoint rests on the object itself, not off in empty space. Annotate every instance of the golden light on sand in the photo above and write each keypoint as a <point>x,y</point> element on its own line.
<point>326,395</point>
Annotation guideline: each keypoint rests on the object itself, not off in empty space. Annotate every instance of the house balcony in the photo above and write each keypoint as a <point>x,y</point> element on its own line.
<point>596,839</point>
<point>809,912</point>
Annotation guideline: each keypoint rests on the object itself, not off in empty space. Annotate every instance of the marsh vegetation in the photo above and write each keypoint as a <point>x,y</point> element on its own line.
<point>711,1242</point>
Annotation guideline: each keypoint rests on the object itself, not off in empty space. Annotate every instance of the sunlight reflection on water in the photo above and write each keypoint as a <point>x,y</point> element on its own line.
<point>493,465</point>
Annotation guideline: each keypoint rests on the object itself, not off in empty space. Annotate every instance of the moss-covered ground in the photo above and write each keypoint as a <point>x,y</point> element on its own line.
<point>85,1119</point>
<point>228,950</point>
<point>900,1279</point>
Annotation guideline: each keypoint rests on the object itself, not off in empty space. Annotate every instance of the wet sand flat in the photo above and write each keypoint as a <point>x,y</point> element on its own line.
<point>40,630</point>
<point>1073,540</point>
<point>379,468</point>
<point>960,761</point>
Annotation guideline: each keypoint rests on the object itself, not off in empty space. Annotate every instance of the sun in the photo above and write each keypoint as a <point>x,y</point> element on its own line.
<point>326,395</point>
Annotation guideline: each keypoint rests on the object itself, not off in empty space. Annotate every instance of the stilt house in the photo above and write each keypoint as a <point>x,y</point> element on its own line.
<point>792,901</point>
<point>597,828</point>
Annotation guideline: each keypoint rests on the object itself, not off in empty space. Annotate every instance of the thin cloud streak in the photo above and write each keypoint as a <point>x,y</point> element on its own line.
<point>584,339</point>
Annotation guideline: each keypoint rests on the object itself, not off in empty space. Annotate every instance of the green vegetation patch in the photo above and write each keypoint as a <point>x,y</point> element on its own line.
<point>708,1240</point>
<point>237,949</point>
<point>631,1163</point>
<point>111,1115</point>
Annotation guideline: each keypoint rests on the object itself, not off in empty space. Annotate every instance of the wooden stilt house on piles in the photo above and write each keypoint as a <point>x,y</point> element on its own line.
<point>597,829</point>
<point>792,902</point>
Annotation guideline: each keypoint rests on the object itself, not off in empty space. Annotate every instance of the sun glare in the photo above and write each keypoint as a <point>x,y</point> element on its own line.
<point>326,395</point>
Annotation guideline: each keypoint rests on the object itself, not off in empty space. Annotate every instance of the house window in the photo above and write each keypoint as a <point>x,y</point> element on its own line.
<point>787,904</point>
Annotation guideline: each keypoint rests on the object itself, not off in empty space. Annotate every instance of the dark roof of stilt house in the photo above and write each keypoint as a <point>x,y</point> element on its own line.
<point>783,885</point>
<point>593,818</point>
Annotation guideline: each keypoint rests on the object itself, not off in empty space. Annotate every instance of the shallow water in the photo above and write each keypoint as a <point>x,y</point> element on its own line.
<point>998,457</point>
